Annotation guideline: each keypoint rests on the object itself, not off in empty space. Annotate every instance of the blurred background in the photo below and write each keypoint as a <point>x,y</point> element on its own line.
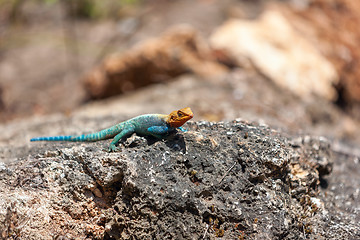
<point>293,65</point>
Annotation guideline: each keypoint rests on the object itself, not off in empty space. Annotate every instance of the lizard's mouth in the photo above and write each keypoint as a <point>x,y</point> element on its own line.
<point>180,122</point>
<point>177,124</point>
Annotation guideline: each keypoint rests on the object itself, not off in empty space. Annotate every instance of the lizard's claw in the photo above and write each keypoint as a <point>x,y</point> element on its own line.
<point>113,148</point>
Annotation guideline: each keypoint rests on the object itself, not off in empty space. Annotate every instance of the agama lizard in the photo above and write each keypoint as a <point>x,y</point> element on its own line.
<point>156,125</point>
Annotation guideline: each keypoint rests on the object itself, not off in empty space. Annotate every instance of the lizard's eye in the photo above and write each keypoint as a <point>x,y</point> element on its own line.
<point>180,114</point>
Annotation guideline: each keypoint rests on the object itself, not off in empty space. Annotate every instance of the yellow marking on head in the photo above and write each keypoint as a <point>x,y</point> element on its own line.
<point>179,117</point>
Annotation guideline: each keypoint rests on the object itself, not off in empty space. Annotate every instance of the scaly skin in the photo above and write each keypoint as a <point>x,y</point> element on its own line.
<point>157,125</point>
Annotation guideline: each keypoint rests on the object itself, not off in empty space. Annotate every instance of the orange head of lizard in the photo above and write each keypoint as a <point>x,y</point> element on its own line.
<point>179,117</point>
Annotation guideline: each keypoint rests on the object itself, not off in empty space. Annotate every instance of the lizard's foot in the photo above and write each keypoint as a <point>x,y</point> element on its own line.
<point>113,148</point>
<point>182,129</point>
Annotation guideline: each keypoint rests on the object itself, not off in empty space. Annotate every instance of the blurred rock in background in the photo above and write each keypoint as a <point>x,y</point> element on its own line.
<point>178,51</point>
<point>272,46</point>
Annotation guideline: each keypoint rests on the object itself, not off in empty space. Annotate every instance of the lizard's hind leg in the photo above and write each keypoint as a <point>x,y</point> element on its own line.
<point>126,132</point>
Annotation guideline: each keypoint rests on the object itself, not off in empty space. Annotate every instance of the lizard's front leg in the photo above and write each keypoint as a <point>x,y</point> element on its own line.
<point>158,131</point>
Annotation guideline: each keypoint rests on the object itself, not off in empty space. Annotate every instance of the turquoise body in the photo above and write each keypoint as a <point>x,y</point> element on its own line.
<point>148,125</point>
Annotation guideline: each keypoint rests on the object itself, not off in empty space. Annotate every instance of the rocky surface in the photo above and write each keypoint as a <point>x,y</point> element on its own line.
<point>227,180</point>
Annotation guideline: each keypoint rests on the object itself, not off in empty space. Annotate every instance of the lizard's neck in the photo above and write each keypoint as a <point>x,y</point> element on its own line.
<point>164,117</point>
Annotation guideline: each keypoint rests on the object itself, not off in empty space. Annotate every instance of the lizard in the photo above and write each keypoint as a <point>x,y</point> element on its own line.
<point>156,125</point>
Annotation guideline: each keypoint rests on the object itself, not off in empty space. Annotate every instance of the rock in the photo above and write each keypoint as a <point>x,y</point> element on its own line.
<point>336,35</point>
<point>279,52</point>
<point>3,113</point>
<point>2,105</point>
<point>227,179</point>
<point>178,51</point>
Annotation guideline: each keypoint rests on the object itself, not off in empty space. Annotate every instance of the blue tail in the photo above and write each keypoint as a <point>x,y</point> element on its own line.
<point>92,137</point>
<point>81,138</point>
<point>55,138</point>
